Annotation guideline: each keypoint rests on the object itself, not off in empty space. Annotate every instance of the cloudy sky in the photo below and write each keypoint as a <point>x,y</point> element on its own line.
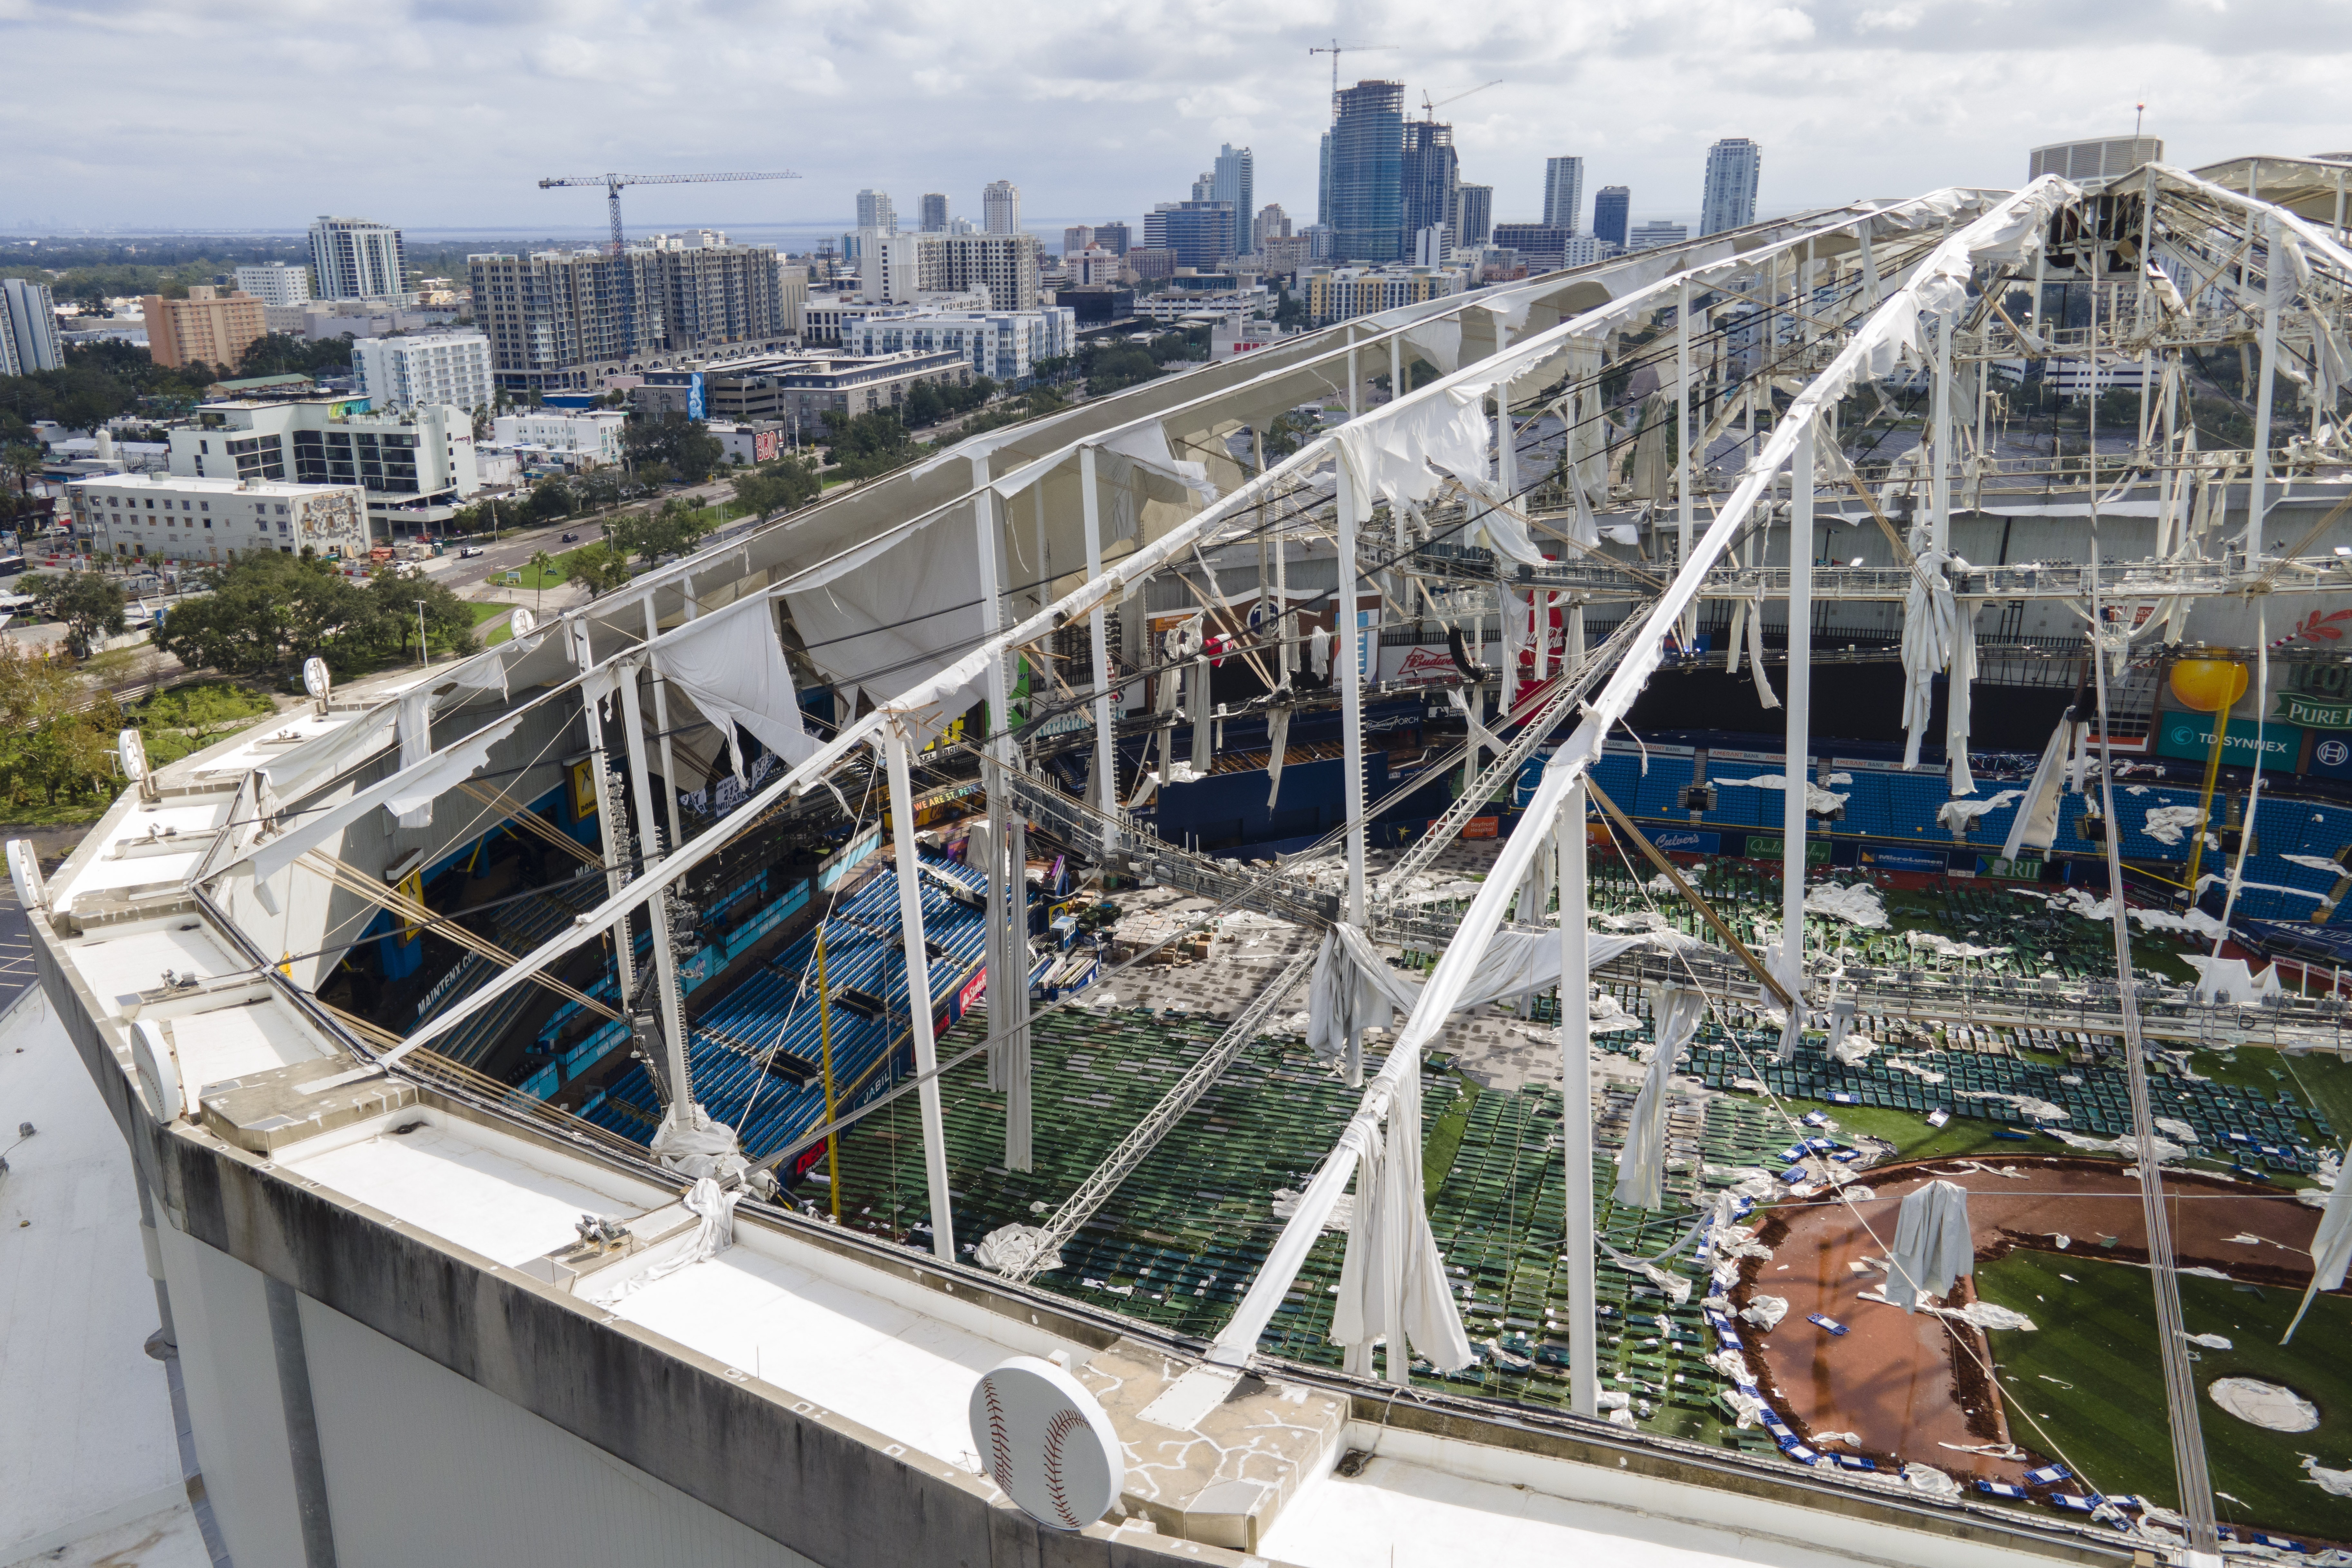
<point>443,114</point>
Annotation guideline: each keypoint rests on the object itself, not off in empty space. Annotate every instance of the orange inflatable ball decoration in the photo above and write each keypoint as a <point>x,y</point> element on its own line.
<point>2207,686</point>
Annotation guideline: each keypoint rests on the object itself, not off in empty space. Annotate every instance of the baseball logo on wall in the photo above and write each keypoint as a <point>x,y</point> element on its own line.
<point>1046,1443</point>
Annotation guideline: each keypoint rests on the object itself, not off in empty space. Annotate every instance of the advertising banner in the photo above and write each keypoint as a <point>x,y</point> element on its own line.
<point>1901,859</point>
<point>2190,736</point>
<point>1687,841</point>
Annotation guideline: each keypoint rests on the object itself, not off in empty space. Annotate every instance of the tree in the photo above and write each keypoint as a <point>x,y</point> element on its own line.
<point>1114,367</point>
<point>55,736</point>
<point>684,445</point>
<point>541,566</point>
<point>867,446</point>
<point>550,499</point>
<point>783,485</point>
<point>90,603</point>
<point>22,460</point>
<point>266,610</point>
<point>281,354</point>
<point>599,569</point>
<point>675,530</point>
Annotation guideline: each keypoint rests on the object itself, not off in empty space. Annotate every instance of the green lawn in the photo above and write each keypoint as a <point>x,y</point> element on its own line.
<point>1915,1140</point>
<point>2090,1374</point>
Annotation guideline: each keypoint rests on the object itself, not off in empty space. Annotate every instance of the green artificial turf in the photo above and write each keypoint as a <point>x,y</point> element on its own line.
<point>2091,1376</point>
<point>1915,1140</point>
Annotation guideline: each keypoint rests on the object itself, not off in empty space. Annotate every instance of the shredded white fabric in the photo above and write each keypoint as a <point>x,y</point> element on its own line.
<point>1929,1481</point>
<point>2233,981</point>
<point>698,1146</point>
<point>1641,1162</point>
<point>2036,826</point>
<point>714,1207</point>
<point>1353,988</point>
<point>2166,825</point>
<point>2336,1483</point>
<point>1857,904</point>
<point>2331,1250</point>
<point>2264,1405</point>
<point>2314,862</point>
<point>1010,1246</point>
<point>1962,815</point>
<point>2209,1341</point>
<point>1932,1246</point>
<point>1391,1248</point>
<point>1765,1312</point>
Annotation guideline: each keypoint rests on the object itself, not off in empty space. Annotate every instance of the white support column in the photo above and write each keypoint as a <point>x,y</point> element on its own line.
<point>661,723</point>
<point>918,988</point>
<point>1098,630</point>
<point>1800,681</point>
<point>989,541</point>
<point>1685,520</point>
<point>1576,1118</point>
<point>1351,723</point>
<point>617,871</point>
<point>1939,495</point>
<point>676,1060</point>
<point>2258,496</point>
<point>1355,376</point>
<point>1396,366</point>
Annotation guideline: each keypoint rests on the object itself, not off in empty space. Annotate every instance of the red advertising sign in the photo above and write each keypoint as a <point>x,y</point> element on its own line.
<point>766,444</point>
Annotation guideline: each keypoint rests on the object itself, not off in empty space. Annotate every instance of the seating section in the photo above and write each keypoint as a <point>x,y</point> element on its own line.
<point>776,1010</point>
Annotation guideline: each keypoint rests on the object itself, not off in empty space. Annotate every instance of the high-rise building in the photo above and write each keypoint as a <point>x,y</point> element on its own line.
<point>1002,264</point>
<point>451,368</point>
<point>1235,180</point>
<point>561,321</point>
<point>28,328</point>
<point>875,211</point>
<point>1202,234</point>
<point>1430,172</point>
<point>1733,165</point>
<point>1271,222</point>
<point>274,283</point>
<point>353,259</point>
<point>1076,237</point>
<point>1656,234</point>
<point>208,328</point>
<point>1000,204</point>
<point>1612,214</point>
<point>1323,181</point>
<point>1474,213</point>
<point>1543,246</point>
<point>935,212</point>
<point>1114,237</point>
<point>1366,207</point>
<point>1563,193</point>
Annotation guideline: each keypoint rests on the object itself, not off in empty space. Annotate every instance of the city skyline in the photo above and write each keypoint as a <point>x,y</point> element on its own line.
<point>507,85</point>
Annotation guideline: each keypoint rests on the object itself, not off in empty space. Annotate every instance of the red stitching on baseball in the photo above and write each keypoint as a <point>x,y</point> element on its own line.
<point>1065,1421</point>
<point>996,1439</point>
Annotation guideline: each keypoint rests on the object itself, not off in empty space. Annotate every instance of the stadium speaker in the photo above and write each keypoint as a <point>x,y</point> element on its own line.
<point>2092,827</point>
<point>1698,797</point>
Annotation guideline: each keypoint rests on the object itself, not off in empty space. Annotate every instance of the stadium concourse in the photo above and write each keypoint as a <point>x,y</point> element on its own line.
<point>1354,912</point>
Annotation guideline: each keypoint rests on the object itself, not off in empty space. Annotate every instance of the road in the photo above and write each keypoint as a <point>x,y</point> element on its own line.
<point>514,548</point>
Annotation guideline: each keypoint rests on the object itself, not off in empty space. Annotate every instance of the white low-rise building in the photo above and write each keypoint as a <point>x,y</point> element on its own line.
<point>1005,345</point>
<point>452,368</point>
<point>181,518</point>
<point>421,454</point>
<point>559,438</point>
<point>276,283</point>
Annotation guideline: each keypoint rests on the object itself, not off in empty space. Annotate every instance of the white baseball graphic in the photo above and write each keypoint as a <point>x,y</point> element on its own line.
<point>1046,1443</point>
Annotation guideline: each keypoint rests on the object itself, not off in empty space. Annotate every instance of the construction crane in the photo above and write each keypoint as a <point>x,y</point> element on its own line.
<point>613,184</point>
<point>1335,49</point>
<point>1429,111</point>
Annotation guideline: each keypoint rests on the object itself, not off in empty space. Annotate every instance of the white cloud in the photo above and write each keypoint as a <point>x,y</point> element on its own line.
<point>444,114</point>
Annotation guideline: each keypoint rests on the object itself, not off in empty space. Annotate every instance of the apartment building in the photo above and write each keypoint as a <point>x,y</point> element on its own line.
<point>1003,345</point>
<point>190,521</point>
<point>451,368</point>
<point>207,328</point>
